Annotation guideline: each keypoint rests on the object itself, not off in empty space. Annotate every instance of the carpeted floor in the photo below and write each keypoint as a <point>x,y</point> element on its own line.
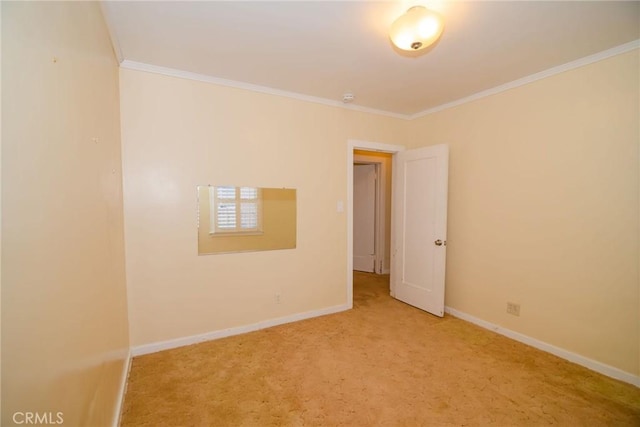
<point>382,363</point>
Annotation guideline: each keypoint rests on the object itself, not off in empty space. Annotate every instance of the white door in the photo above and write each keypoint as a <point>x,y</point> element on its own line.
<point>364,217</point>
<point>420,227</point>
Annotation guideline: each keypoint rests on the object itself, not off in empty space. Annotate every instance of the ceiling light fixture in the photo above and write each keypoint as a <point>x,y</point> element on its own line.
<point>418,28</point>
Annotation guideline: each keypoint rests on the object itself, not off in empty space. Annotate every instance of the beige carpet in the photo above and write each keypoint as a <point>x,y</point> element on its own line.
<point>383,363</point>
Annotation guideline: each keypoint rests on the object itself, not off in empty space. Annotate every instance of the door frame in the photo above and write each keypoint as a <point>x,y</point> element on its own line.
<point>354,144</point>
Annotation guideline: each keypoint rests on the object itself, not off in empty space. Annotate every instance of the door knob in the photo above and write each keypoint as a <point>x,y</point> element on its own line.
<point>438,242</point>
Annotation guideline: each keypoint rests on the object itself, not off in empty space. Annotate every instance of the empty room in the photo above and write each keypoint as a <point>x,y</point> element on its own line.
<point>321,213</point>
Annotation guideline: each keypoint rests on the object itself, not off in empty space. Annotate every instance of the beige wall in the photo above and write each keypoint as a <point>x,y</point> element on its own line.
<point>64,318</point>
<point>543,208</point>
<point>178,134</point>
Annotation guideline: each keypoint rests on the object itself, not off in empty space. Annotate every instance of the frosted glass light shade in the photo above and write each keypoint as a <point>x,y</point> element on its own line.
<point>418,28</point>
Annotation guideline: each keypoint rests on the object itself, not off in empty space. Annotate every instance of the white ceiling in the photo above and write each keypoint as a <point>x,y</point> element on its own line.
<point>326,48</point>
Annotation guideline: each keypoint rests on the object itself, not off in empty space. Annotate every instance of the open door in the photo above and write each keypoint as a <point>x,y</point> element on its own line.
<point>420,181</point>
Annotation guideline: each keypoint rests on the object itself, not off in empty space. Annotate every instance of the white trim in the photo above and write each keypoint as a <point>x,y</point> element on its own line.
<point>594,365</point>
<point>115,42</point>
<point>122,390</point>
<point>354,144</point>
<point>222,333</point>
<point>618,50</point>
<point>140,66</point>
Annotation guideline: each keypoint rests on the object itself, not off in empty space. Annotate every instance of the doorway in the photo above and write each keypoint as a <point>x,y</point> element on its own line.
<point>372,211</point>
<point>418,230</point>
<point>366,220</point>
<point>369,152</point>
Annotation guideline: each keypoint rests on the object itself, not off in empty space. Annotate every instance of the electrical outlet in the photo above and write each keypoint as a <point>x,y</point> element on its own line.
<point>277,298</point>
<point>513,308</point>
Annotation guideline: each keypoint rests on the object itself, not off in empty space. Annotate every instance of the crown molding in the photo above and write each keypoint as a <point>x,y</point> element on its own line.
<point>172,72</point>
<point>627,47</point>
<point>140,66</point>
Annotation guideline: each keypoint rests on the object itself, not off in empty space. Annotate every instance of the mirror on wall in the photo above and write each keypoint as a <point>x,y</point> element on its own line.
<point>245,219</point>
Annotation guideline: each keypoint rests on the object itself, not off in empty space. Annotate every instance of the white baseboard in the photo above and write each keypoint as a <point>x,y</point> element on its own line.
<point>194,339</point>
<point>594,365</point>
<point>123,390</point>
<point>386,271</point>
